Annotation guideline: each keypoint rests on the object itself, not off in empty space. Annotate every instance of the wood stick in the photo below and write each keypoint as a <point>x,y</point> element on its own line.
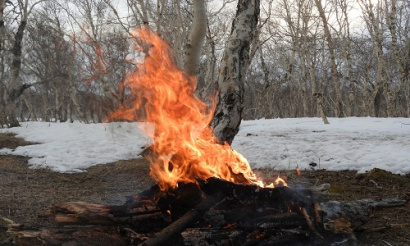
<point>182,223</point>
<point>308,220</point>
<point>309,223</point>
<point>316,208</point>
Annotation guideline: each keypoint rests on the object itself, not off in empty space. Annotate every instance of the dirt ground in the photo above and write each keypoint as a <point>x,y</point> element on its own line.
<point>25,193</point>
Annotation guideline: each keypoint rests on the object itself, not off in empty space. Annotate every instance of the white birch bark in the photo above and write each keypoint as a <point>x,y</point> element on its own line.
<point>404,82</point>
<point>344,25</point>
<point>232,71</point>
<point>15,88</point>
<point>196,38</point>
<point>332,58</point>
<point>314,88</point>
<point>3,114</point>
<point>376,30</point>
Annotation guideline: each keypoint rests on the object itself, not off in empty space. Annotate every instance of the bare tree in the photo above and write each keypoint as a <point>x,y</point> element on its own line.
<point>344,32</point>
<point>3,114</point>
<point>217,28</point>
<point>14,87</point>
<point>374,21</point>
<point>391,16</point>
<point>332,57</point>
<point>308,54</point>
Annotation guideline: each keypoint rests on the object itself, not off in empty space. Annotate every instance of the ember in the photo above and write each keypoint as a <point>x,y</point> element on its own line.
<point>184,146</point>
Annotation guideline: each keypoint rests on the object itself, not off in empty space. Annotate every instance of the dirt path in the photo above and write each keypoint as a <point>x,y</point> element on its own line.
<point>25,193</point>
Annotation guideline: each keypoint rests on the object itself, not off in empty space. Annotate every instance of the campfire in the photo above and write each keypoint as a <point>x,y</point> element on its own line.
<point>184,146</point>
<point>206,193</point>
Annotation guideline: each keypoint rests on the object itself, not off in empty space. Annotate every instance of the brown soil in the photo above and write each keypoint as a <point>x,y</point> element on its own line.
<point>7,140</point>
<point>25,192</point>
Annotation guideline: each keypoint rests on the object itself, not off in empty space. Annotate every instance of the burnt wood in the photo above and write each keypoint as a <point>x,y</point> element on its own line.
<point>214,212</point>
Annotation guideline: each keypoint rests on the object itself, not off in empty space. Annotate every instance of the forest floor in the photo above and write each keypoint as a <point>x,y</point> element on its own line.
<point>25,193</point>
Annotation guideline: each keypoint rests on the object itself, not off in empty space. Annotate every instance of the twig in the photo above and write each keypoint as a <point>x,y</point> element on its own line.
<point>323,188</point>
<point>387,243</point>
<point>404,124</point>
<point>376,184</point>
<point>9,222</point>
<point>287,150</point>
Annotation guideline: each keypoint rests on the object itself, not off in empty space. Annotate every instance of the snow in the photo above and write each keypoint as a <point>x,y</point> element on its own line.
<point>345,144</point>
<point>72,147</point>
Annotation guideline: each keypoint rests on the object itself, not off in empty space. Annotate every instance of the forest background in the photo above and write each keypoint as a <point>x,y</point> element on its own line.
<point>67,60</point>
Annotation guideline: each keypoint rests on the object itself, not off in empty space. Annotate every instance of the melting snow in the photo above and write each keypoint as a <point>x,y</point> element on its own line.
<point>348,143</point>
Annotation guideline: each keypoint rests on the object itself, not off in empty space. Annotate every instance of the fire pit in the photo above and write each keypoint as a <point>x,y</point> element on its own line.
<point>215,212</point>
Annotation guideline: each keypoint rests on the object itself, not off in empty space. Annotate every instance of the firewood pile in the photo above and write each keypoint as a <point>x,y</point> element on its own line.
<point>215,212</point>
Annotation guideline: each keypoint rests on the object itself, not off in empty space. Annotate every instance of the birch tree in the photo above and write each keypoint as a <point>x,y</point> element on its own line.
<point>13,85</point>
<point>344,32</point>
<point>332,57</point>
<point>402,91</point>
<point>374,22</point>
<point>232,71</point>
<point>3,115</point>
<point>308,54</point>
<point>217,28</point>
<point>196,38</point>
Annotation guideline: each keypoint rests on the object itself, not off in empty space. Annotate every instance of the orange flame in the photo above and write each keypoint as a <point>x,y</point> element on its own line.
<point>184,146</point>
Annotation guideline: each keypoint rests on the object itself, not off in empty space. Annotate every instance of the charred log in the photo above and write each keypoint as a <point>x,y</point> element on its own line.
<point>182,223</point>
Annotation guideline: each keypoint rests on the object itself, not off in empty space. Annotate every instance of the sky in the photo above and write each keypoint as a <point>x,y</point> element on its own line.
<point>345,144</point>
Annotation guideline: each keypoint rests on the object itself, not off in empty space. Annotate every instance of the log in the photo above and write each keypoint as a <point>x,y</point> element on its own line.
<point>98,236</point>
<point>355,212</point>
<point>182,223</point>
<point>282,199</point>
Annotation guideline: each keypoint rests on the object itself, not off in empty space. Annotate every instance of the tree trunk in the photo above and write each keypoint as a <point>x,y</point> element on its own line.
<point>338,99</point>
<point>378,42</point>
<point>15,88</point>
<point>407,86</point>
<point>31,115</point>
<point>371,100</point>
<point>77,107</point>
<point>391,20</point>
<point>3,114</point>
<point>209,86</point>
<point>315,92</point>
<point>346,44</point>
<point>265,100</point>
<point>303,90</point>
<point>196,38</point>
<point>178,39</point>
<point>15,72</point>
<point>232,71</point>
